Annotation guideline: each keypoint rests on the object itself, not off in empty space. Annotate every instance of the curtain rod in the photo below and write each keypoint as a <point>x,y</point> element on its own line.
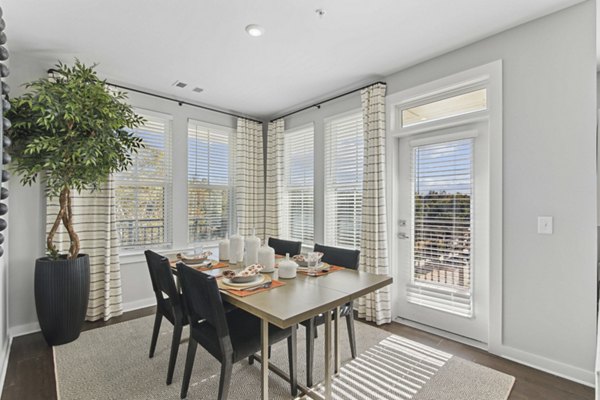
<point>318,104</point>
<point>180,102</point>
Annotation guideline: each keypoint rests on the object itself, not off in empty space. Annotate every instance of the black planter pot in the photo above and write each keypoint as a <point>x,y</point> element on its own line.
<point>62,289</point>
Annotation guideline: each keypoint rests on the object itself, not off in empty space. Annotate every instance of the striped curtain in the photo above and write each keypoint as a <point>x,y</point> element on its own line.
<point>95,223</point>
<point>373,241</point>
<point>273,227</point>
<point>249,178</point>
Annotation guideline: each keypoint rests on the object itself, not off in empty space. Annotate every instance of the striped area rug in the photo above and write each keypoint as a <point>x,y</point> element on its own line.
<point>402,369</point>
<point>112,363</point>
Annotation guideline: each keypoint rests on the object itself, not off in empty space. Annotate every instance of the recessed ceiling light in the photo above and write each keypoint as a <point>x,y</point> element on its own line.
<point>180,84</point>
<point>197,90</point>
<point>255,30</point>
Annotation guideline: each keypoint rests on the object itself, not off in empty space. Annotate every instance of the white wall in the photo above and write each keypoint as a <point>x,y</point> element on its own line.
<point>549,169</point>
<point>549,104</point>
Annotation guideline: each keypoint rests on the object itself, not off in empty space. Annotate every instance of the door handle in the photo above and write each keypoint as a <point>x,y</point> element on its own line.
<point>402,235</point>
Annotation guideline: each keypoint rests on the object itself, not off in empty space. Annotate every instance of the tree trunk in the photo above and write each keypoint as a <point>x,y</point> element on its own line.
<point>67,219</point>
<point>50,240</point>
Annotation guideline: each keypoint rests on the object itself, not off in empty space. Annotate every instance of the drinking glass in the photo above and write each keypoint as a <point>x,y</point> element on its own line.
<point>311,260</point>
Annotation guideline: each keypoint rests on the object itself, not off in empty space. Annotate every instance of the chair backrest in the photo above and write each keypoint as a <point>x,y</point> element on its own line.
<point>337,256</point>
<point>162,278</point>
<point>202,299</point>
<point>282,247</point>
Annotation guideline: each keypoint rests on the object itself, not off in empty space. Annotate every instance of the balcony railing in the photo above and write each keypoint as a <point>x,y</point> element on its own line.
<point>458,275</point>
<point>142,231</point>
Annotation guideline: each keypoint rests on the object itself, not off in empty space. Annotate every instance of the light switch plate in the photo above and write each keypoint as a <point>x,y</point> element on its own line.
<point>545,225</point>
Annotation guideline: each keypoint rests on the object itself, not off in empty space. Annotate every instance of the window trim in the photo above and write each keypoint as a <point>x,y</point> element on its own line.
<point>491,74</point>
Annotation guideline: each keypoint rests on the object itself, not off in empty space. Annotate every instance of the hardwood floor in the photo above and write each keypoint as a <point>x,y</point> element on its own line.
<point>30,373</point>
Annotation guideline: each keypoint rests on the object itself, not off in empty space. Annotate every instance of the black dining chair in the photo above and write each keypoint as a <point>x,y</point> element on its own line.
<point>228,336</point>
<point>343,258</point>
<point>283,247</point>
<point>169,307</point>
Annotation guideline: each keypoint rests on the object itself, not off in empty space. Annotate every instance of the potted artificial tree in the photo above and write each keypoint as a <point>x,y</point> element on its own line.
<point>71,131</point>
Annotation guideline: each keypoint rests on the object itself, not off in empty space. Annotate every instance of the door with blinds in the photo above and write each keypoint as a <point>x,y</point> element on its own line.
<point>443,232</point>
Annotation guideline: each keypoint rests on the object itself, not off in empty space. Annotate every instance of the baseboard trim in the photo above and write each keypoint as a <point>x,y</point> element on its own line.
<point>25,329</point>
<point>6,353</point>
<point>137,304</point>
<point>535,361</point>
<point>33,327</point>
<point>442,333</point>
<point>548,365</point>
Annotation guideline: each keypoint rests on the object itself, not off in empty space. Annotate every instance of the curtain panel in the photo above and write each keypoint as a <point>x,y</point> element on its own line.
<point>249,178</point>
<point>375,306</point>
<point>95,223</point>
<point>273,222</point>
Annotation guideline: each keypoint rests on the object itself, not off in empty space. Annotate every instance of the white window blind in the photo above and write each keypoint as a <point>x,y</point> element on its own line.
<point>209,183</point>
<point>298,184</point>
<point>442,179</point>
<point>143,192</point>
<point>344,149</point>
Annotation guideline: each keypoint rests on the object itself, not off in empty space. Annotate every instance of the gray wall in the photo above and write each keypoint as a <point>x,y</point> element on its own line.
<point>26,222</point>
<point>549,107</point>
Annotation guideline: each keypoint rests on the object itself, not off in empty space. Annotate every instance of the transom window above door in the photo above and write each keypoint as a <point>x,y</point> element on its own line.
<point>453,106</point>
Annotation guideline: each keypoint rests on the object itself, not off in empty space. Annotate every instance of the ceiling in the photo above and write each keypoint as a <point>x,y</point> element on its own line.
<point>301,57</point>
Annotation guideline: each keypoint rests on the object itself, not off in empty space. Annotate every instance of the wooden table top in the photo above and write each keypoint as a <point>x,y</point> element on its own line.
<point>305,296</point>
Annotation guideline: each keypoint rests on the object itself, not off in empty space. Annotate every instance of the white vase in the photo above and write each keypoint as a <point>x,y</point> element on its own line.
<point>224,249</point>
<point>266,258</point>
<point>236,248</point>
<point>251,249</point>
<point>287,268</point>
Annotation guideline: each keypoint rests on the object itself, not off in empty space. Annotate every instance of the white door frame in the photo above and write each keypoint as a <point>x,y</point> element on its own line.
<point>491,76</point>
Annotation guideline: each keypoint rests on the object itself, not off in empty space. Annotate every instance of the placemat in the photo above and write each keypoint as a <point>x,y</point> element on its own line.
<point>214,265</point>
<point>332,268</point>
<point>244,293</point>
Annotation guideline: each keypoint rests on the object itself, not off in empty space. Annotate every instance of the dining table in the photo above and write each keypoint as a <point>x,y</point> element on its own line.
<point>297,300</point>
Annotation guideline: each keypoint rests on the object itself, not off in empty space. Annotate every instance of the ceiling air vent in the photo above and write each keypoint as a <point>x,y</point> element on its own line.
<point>180,84</point>
<point>197,90</point>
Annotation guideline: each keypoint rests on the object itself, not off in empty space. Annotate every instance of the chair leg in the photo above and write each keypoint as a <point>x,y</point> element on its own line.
<point>292,361</point>
<point>251,359</point>
<point>157,321</point>
<point>269,353</point>
<point>351,336</point>
<point>189,365</point>
<point>177,328</point>
<point>310,351</point>
<point>225,381</point>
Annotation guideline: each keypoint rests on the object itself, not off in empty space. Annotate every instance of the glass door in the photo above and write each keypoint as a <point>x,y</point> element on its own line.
<point>443,230</point>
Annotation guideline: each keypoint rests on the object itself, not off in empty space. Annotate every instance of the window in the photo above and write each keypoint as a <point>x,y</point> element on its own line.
<point>344,148</point>
<point>209,183</point>
<point>143,192</point>
<point>298,184</point>
<point>450,107</point>
<point>442,180</point>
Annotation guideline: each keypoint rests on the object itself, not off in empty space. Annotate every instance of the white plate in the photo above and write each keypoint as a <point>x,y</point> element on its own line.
<point>259,279</point>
